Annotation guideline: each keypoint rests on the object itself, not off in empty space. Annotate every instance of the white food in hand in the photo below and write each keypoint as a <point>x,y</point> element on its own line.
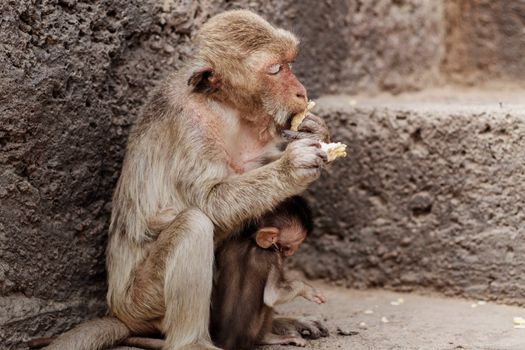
<point>333,150</point>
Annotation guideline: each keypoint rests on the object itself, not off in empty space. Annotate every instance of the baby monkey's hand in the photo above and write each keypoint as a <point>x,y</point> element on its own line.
<point>312,294</point>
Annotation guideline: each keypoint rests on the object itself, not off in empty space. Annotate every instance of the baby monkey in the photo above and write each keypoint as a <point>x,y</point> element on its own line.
<point>249,278</point>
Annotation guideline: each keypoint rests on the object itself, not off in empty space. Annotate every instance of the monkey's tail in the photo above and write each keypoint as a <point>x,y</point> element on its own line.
<point>96,334</point>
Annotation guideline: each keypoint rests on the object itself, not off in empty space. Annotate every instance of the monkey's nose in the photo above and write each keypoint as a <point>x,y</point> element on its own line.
<point>301,96</point>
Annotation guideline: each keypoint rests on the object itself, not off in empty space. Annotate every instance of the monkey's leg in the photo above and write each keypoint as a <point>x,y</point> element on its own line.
<point>275,339</point>
<point>309,327</point>
<point>94,334</point>
<point>178,275</point>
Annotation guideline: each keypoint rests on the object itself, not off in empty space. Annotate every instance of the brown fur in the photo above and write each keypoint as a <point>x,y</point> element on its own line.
<point>186,153</point>
<point>250,281</point>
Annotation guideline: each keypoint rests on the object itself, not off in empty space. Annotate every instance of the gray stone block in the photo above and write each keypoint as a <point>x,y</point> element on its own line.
<point>430,197</point>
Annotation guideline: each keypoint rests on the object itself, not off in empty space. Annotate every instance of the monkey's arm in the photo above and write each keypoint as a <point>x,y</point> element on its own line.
<point>279,290</point>
<point>238,198</point>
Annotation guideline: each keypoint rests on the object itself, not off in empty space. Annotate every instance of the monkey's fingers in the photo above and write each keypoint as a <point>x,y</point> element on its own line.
<point>317,131</point>
<point>38,343</point>
<point>311,327</point>
<point>320,296</point>
<point>313,122</point>
<point>319,299</point>
<point>144,343</point>
<point>322,328</point>
<point>298,135</point>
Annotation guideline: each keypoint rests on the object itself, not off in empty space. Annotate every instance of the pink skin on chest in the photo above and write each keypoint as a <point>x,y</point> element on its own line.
<point>245,146</point>
<point>241,142</point>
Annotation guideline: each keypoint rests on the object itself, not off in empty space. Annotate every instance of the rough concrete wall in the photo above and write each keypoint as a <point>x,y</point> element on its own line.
<point>484,40</point>
<point>431,196</point>
<point>359,46</point>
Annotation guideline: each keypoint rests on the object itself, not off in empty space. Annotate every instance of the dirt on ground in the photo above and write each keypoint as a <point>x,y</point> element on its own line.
<point>382,320</point>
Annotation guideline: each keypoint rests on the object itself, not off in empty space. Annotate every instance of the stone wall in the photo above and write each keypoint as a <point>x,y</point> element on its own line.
<point>430,197</point>
<point>484,41</point>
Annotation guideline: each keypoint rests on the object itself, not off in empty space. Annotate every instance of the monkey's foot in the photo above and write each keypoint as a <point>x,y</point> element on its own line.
<point>275,339</point>
<point>309,327</point>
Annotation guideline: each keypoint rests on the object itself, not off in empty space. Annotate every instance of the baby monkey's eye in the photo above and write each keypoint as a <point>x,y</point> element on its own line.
<point>274,69</point>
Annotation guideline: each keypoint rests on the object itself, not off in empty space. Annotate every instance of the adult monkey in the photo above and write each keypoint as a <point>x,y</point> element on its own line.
<point>197,151</point>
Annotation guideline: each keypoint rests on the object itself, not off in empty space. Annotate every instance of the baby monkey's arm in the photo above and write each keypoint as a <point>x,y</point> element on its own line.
<point>279,290</point>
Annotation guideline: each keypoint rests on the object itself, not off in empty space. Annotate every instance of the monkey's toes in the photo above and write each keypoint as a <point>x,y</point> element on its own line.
<point>311,328</point>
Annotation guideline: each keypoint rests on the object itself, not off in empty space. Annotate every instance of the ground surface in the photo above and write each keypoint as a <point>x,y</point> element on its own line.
<point>421,322</point>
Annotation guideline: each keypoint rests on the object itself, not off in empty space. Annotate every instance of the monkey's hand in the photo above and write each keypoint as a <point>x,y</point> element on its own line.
<point>303,159</point>
<point>312,294</point>
<point>315,126</point>
<point>311,127</point>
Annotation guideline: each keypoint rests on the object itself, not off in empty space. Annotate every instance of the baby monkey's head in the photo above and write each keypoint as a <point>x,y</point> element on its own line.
<point>286,227</point>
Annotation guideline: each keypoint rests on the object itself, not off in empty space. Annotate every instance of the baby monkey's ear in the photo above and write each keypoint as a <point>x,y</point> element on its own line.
<point>267,236</point>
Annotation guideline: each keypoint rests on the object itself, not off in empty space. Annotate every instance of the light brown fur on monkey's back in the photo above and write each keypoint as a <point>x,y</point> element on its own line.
<point>239,317</point>
<point>152,179</point>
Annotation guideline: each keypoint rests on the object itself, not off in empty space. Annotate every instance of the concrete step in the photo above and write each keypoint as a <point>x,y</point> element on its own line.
<point>431,195</point>
<point>420,322</point>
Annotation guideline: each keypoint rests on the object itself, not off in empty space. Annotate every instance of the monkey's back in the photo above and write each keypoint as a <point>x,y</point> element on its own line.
<point>239,317</point>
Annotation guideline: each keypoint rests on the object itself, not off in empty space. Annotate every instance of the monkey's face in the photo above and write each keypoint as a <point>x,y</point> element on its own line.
<point>290,239</point>
<point>283,96</point>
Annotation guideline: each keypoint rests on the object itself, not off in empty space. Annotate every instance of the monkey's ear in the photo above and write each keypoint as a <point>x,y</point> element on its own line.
<point>266,236</point>
<point>204,80</point>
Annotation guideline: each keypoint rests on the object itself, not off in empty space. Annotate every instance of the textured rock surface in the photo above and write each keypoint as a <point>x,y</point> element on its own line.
<point>431,196</point>
<point>484,40</point>
<point>369,45</point>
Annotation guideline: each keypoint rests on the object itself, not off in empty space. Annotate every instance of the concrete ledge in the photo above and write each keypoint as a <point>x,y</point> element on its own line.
<point>431,195</point>
<point>420,322</point>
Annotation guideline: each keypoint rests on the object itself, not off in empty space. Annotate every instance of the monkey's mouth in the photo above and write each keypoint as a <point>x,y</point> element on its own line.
<point>288,124</point>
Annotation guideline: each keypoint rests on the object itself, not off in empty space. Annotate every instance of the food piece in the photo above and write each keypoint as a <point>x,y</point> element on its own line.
<point>298,119</point>
<point>519,322</point>
<point>334,150</point>
<point>397,302</point>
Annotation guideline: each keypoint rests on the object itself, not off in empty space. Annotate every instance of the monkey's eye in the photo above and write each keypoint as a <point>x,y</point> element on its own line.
<point>274,69</point>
